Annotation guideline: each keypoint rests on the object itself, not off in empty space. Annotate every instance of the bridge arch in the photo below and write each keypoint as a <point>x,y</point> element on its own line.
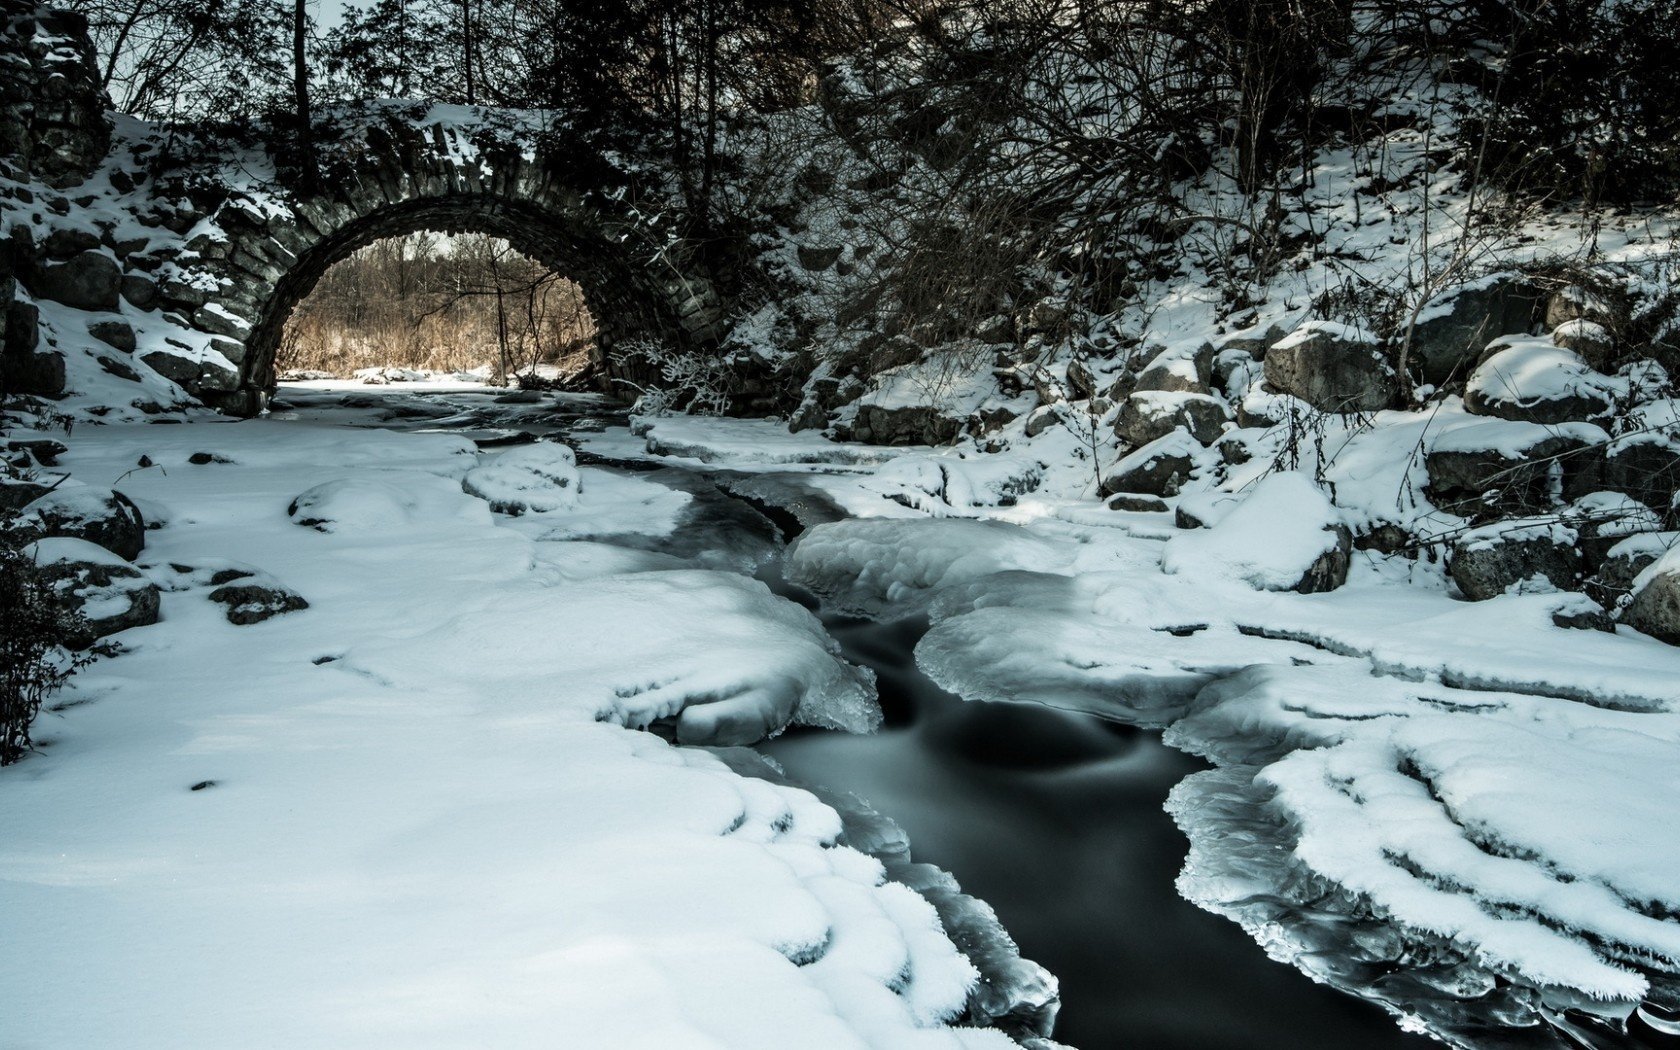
<point>266,252</point>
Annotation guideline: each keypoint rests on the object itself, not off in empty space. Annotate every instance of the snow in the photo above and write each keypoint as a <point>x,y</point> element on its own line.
<point>541,477</point>
<point>1270,540</point>
<point>412,814</point>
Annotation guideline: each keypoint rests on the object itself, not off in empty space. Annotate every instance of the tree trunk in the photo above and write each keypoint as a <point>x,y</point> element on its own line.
<point>307,165</point>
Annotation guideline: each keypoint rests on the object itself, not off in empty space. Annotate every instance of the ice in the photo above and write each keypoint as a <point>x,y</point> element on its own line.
<point>877,567</point>
<point>1519,829</point>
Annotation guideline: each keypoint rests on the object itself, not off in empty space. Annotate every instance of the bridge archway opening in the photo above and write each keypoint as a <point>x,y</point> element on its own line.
<point>629,302</point>
<point>466,304</point>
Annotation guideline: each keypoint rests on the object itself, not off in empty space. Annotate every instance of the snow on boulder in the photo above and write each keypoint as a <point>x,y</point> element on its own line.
<point>98,515</point>
<point>1286,536</point>
<point>1332,367</point>
<point>1533,381</point>
<point>884,568</point>
<point>110,594</point>
<point>539,478</point>
<point>1655,609</point>
<point>399,499</point>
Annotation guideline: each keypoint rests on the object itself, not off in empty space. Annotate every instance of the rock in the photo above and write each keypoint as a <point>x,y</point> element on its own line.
<point>909,425</point>
<point>817,259</point>
<point>1149,415</point>
<point>1534,382</point>
<point>1184,367</point>
<point>119,335</point>
<point>1446,344</point>
<point>1284,534</point>
<point>1611,585</point>
<point>1583,617</point>
<point>89,281</point>
<point>1655,608</point>
<point>1159,468</point>
<point>96,515</point>
<point>110,594</point>
<point>23,370</point>
<point>15,494</point>
<point>1137,503</point>
<point>1040,419</point>
<point>140,291</point>
<point>1591,340</point>
<point>540,478</point>
<point>1644,466</point>
<point>69,241</point>
<point>1333,368</point>
<point>1487,562</point>
<point>1503,474</point>
<point>1082,385</point>
<point>253,601</point>
<point>177,368</point>
<point>44,451</point>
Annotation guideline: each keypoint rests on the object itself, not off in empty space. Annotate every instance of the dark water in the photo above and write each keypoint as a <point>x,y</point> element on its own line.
<point>1055,820</point>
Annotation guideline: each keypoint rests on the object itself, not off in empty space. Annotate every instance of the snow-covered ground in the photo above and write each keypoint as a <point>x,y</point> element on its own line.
<point>420,812</point>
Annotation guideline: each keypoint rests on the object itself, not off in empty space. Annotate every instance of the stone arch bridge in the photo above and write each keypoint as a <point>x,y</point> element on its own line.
<point>196,239</point>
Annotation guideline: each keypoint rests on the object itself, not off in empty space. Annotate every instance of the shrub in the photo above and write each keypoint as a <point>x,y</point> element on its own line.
<point>34,662</point>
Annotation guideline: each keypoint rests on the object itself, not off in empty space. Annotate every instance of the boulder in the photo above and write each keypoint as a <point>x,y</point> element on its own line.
<point>1137,503</point>
<point>23,370</point>
<point>109,593</point>
<point>1284,535</point>
<point>1591,340</point>
<point>1489,561</point>
<point>1644,466</point>
<point>119,335</point>
<point>1655,608</point>
<point>1185,367</point>
<point>1532,381</point>
<point>253,600</point>
<point>540,477</point>
<point>140,290</point>
<point>1333,368</point>
<point>97,515</point>
<point>1149,415</point>
<point>1501,468</point>
<point>1159,468</point>
<point>90,280</point>
<point>1450,335</point>
<point>1611,585</point>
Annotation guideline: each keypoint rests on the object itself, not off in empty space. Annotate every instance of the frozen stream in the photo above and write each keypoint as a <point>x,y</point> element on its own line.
<point>1055,819</point>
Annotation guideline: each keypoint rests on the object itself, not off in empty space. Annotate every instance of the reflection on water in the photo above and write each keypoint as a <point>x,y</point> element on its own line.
<point>1055,820</point>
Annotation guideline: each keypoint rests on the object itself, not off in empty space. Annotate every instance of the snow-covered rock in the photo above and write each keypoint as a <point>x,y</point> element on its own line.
<point>1332,367</point>
<point>106,590</point>
<point>98,515</point>
<point>1285,535</point>
<point>1655,608</point>
<point>1489,561</point>
<point>1534,381</point>
<point>540,477</point>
